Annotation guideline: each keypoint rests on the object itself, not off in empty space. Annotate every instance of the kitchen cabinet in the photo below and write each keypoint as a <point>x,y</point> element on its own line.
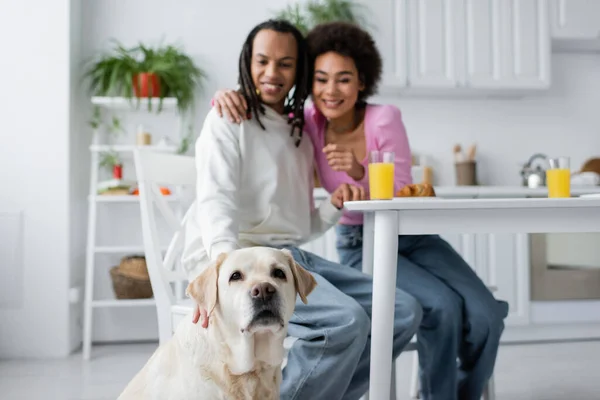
<point>575,19</point>
<point>388,27</point>
<point>417,41</point>
<point>507,44</point>
<point>575,25</point>
<point>501,261</point>
<point>473,46</point>
<point>432,42</point>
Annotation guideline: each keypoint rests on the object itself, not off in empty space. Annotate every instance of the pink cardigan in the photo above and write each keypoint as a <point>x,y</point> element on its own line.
<point>384,130</point>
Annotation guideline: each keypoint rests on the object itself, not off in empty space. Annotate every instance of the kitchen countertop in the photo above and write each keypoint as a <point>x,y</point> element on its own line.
<point>490,191</point>
<point>505,191</point>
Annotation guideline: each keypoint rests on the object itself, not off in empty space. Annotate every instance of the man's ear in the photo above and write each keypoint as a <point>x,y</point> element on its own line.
<point>303,280</point>
<point>203,289</point>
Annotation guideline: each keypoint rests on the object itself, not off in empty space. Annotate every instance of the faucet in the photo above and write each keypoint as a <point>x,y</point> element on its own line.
<point>534,176</point>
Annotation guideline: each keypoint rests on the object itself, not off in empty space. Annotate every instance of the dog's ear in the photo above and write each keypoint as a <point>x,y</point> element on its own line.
<point>303,280</point>
<point>203,289</point>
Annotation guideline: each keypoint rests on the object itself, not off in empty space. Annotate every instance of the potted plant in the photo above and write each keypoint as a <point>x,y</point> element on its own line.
<point>143,71</point>
<point>111,161</point>
<point>313,12</point>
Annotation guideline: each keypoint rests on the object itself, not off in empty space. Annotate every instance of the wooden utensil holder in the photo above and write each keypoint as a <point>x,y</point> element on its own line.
<point>466,173</point>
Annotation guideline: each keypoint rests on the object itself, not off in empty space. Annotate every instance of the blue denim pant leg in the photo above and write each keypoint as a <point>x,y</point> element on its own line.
<point>461,318</point>
<point>330,359</point>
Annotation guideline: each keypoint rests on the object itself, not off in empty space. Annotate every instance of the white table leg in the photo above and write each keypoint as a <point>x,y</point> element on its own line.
<point>385,250</point>
<point>368,229</point>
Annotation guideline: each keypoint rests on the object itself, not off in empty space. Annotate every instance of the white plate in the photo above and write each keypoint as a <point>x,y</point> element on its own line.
<point>590,195</point>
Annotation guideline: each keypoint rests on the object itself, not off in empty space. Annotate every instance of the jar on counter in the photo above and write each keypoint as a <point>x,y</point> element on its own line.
<point>427,170</point>
<point>143,138</point>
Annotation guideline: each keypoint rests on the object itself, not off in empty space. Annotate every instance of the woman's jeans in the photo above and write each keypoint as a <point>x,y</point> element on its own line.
<point>461,318</point>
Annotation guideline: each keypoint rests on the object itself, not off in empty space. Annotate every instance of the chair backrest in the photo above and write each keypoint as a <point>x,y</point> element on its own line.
<point>176,172</point>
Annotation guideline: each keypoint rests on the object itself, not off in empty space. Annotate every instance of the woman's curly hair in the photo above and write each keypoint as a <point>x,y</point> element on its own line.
<point>349,40</point>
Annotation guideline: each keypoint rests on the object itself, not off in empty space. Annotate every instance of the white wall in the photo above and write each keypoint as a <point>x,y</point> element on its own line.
<point>79,173</point>
<point>34,37</point>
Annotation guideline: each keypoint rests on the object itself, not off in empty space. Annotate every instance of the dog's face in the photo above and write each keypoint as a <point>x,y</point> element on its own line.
<point>254,288</point>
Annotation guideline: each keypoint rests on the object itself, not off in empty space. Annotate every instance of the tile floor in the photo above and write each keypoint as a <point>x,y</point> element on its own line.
<point>564,371</point>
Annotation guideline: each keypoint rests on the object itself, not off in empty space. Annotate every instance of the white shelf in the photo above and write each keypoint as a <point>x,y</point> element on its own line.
<point>122,249</point>
<point>119,249</point>
<point>130,148</point>
<point>123,303</point>
<point>124,199</point>
<point>133,104</point>
<point>96,247</point>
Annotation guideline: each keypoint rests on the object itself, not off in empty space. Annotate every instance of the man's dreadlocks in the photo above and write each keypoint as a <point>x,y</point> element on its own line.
<point>294,106</point>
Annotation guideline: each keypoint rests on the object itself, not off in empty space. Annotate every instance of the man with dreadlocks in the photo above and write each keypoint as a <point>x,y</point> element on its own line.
<point>255,188</point>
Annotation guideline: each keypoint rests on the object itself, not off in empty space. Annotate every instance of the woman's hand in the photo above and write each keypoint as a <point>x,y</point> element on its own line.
<point>342,158</point>
<point>346,192</point>
<point>232,104</point>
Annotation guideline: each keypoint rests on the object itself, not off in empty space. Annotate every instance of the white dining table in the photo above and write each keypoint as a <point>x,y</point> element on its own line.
<point>386,219</point>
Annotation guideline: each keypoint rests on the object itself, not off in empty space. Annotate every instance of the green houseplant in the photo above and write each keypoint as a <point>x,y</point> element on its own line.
<point>112,162</point>
<point>143,72</point>
<point>307,15</point>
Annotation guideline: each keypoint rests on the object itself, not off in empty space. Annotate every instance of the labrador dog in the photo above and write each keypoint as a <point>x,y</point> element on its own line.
<point>250,296</point>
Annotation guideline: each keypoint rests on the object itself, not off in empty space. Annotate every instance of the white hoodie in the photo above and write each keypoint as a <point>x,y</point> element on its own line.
<point>254,187</point>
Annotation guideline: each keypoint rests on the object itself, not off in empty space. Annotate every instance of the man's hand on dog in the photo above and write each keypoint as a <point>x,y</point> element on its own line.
<point>343,193</point>
<point>200,315</point>
<point>346,192</point>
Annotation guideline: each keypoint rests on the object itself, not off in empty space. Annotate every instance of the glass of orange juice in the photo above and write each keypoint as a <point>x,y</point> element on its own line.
<point>381,175</point>
<point>558,177</point>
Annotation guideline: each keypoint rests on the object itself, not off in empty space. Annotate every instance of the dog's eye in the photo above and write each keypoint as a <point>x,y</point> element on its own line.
<point>278,273</point>
<point>236,276</point>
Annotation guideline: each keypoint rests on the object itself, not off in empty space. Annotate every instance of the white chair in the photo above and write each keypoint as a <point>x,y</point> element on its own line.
<point>368,231</point>
<point>166,276</point>
<point>155,169</point>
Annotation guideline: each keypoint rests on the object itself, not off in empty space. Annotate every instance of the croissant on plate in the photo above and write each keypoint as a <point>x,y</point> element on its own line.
<point>416,190</point>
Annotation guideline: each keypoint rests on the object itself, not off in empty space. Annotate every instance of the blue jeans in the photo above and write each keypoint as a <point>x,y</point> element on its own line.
<point>330,359</point>
<point>461,318</point>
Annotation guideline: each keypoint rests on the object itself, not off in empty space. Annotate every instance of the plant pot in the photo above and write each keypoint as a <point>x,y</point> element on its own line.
<point>117,171</point>
<point>146,84</point>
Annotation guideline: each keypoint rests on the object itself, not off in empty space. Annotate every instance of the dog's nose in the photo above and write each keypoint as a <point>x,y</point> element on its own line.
<point>263,291</point>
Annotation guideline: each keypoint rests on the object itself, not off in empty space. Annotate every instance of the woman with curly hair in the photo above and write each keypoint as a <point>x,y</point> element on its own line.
<point>462,320</point>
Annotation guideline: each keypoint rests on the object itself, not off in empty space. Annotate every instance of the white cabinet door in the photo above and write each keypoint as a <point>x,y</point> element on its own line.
<point>454,240</point>
<point>527,53</point>
<point>462,44</point>
<point>432,29</point>
<point>507,44</point>
<point>483,43</point>
<point>389,30</point>
<point>501,261</point>
<point>575,19</point>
